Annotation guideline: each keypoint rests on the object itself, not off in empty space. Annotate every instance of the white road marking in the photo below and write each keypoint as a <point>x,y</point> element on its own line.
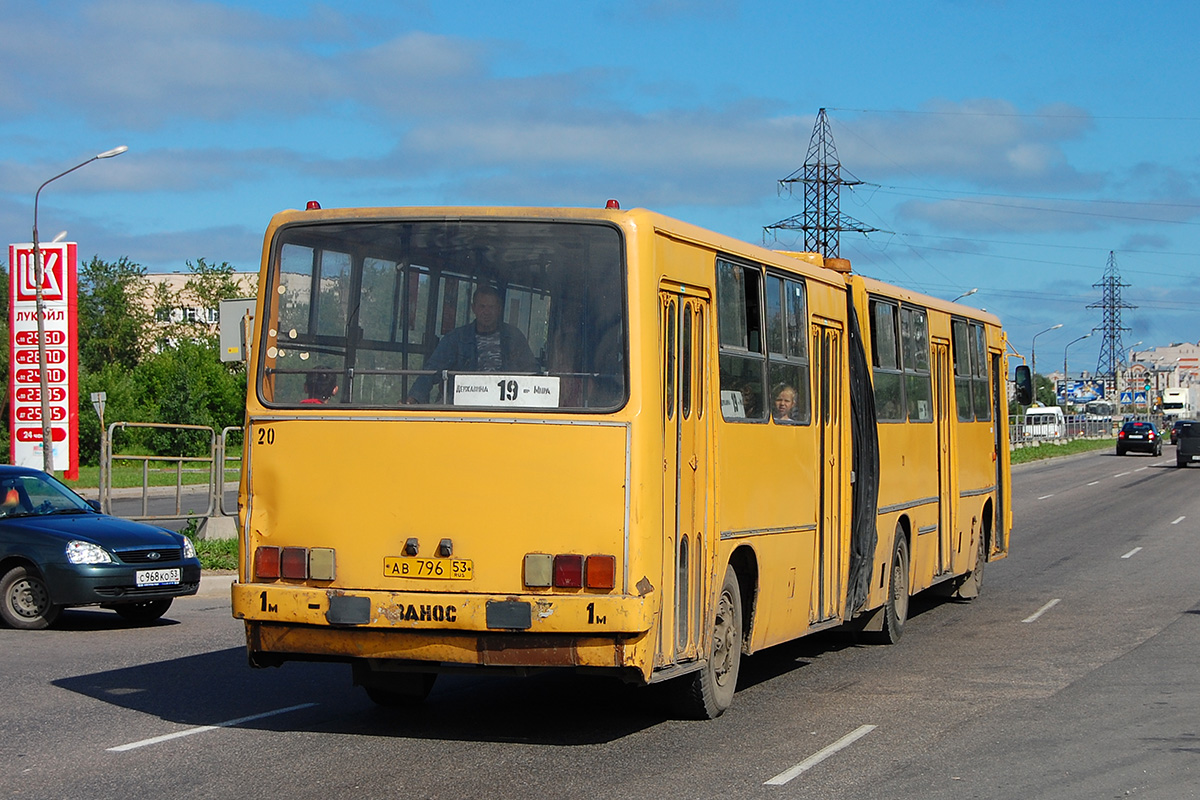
<point>1131,553</point>
<point>1122,474</point>
<point>1181,519</point>
<point>1139,469</point>
<point>818,757</point>
<point>1043,497</point>
<point>203,728</point>
<point>1042,610</point>
<point>1093,483</point>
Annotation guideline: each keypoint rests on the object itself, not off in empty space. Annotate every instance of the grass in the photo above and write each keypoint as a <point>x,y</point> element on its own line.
<point>1038,452</point>
<point>217,553</point>
<point>127,476</point>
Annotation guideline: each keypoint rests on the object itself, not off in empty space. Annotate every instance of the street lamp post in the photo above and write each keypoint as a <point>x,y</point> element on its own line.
<point>964,294</point>
<point>1080,339</point>
<point>1033,348</point>
<point>38,277</point>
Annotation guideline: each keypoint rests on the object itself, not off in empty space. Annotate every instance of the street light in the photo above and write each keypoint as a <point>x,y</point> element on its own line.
<point>1033,347</point>
<point>964,294</point>
<point>38,277</point>
<point>1065,373</point>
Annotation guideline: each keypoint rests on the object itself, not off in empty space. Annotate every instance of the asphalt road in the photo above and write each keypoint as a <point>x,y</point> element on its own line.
<point>1073,676</point>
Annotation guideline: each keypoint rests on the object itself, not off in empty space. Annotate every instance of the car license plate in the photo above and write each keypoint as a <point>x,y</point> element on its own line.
<point>157,577</point>
<point>1195,458</point>
<point>439,569</point>
<point>1135,436</point>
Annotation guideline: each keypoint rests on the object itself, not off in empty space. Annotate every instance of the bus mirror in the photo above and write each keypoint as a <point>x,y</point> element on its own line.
<point>1024,381</point>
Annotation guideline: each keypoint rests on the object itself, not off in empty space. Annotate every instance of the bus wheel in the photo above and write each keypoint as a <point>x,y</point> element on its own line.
<point>895,610</point>
<point>971,583</point>
<point>707,693</point>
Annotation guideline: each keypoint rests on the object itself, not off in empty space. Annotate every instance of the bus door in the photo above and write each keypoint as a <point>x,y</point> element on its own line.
<point>944,409</point>
<point>683,314</point>
<point>999,440</point>
<point>827,410</point>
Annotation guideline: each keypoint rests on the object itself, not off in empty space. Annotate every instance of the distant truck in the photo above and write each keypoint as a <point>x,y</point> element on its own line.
<point>1181,402</point>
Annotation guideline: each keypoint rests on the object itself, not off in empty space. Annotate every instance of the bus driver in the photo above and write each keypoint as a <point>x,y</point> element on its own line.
<point>485,345</point>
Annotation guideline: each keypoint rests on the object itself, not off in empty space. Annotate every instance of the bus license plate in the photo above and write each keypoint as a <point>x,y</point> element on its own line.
<point>439,569</point>
<point>157,577</point>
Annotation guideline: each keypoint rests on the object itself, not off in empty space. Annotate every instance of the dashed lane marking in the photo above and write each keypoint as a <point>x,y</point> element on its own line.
<point>1042,610</point>
<point>819,756</point>
<point>202,728</point>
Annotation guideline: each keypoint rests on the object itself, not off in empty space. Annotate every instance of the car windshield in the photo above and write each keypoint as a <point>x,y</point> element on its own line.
<point>33,495</point>
<point>515,314</point>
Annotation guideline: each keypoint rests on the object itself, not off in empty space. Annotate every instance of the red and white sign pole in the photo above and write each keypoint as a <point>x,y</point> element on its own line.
<point>59,302</point>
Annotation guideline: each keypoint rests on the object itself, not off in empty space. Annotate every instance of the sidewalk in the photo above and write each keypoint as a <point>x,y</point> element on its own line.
<point>215,584</point>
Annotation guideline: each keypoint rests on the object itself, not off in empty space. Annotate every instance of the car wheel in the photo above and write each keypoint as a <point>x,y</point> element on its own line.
<point>25,600</point>
<point>1120,452</point>
<point>144,612</point>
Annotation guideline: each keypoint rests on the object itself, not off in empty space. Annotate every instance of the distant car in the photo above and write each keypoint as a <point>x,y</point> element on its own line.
<point>1141,436</point>
<point>1175,429</point>
<point>1187,446</point>
<point>57,550</point>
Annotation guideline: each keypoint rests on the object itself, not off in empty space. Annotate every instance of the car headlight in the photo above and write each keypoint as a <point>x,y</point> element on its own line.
<point>189,549</point>
<point>87,553</point>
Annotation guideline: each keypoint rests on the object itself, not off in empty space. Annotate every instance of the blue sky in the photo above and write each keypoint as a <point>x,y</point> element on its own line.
<point>1004,146</point>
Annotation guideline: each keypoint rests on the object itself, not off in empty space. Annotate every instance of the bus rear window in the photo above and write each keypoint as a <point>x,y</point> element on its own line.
<point>521,315</point>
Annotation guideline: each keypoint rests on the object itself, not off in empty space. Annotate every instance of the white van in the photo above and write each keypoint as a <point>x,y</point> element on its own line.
<point>1045,422</point>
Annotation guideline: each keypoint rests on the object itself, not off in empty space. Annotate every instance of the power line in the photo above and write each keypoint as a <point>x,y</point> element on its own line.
<point>1016,114</point>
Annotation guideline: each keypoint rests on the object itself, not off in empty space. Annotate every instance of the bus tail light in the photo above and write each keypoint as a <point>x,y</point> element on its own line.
<point>568,571</point>
<point>293,563</point>
<point>600,572</point>
<point>539,570</point>
<point>266,562</point>
<point>321,564</point>
<point>297,563</point>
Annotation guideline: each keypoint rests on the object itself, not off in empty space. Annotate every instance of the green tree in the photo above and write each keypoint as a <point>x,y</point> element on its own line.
<point>1043,391</point>
<point>114,320</point>
<point>209,284</point>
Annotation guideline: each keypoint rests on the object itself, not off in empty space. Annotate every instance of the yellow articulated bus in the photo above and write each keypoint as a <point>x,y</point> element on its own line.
<point>605,440</point>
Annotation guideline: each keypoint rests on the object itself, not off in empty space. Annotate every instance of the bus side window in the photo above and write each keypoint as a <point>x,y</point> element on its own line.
<point>741,361</point>
<point>786,322</point>
<point>885,354</point>
<point>918,390</point>
<point>962,370</point>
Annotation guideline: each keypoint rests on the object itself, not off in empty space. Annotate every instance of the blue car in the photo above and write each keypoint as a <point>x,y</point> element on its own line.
<point>57,550</point>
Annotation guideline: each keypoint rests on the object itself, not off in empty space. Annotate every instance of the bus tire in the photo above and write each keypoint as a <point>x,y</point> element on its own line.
<point>895,609</point>
<point>972,583</point>
<point>707,693</point>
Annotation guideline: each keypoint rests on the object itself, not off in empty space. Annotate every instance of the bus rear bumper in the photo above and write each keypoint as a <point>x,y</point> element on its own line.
<point>433,631</point>
<point>271,644</point>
